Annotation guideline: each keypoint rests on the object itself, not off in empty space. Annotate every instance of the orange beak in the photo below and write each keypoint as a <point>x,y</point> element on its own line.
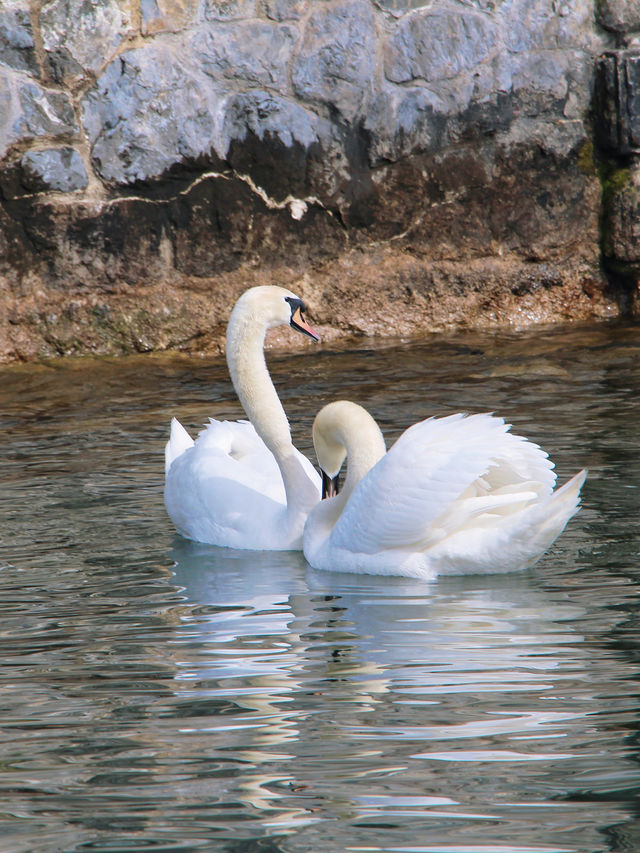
<point>298,322</point>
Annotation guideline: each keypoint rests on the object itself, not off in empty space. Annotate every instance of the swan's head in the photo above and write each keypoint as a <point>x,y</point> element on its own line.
<point>270,305</point>
<point>343,428</point>
<point>329,447</point>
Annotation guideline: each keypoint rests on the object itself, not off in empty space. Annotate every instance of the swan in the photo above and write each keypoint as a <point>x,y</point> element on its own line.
<point>454,495</point>
<point>243,484</point>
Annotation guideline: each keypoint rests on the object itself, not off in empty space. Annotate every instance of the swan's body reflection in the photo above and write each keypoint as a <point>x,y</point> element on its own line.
<point>379,684</point>
<point>393,622</point>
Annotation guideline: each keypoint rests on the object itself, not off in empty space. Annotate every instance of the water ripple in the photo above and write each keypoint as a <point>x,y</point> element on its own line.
<point>161,695</point>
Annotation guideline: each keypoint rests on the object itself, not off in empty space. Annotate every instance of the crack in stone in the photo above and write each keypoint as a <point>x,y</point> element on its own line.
<point>298,207</point>
<point>102,205</point>
<point>203,177</point>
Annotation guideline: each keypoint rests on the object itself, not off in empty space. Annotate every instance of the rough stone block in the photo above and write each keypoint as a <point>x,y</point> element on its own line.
<point>622,232</point>
<point>415,115</point>
<point>17,48</point>
<point>288,151</point>
<point>284,10</point>
<point>619,16</point>
<point>80,37</point>
<point>59,169</point>
<point>264,114</point>
<point>227,10</point>
<point>336,62</point>
<point>247,52</point>
<point>618,102</point>
<point>150,111</point>
<point>549,25</point>
<point>540,81</point>
<point>437,44</point>
<point>398,8</point>
<point>159,16</point>
<point>30,111</point>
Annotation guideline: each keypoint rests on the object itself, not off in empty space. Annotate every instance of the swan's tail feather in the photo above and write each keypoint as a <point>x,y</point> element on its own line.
<point>179,441</point>
<point>567,497</point>
<point>561,507</point>
<point>572,487</point>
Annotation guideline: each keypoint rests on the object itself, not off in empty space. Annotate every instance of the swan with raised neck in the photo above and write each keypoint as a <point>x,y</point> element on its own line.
<point>213,494</point>
<point>256,311</point>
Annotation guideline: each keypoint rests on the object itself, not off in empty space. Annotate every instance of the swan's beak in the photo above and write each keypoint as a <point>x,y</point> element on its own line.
<point>330,485</point>
<point>298,322</point>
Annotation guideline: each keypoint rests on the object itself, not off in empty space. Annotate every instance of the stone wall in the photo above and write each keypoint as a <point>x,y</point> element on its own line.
<point>404,166</point>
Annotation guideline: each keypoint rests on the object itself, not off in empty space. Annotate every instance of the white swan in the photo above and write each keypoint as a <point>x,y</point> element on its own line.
<point>454,495</point>
<point>241,484</point>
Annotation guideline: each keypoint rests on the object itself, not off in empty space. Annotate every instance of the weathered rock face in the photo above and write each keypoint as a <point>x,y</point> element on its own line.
<point>619,16</point>
<point>403,166</point>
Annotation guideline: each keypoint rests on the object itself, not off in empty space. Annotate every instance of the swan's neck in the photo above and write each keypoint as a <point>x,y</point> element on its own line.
<point>365,446</point>
<point>250,377</point>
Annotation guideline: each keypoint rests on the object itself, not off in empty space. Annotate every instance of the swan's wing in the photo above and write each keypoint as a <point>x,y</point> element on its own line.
<point>224,484</point>
<point>513,541</point>
<point>233,452</point>
<point>432,464</point>
<point>240,442</point>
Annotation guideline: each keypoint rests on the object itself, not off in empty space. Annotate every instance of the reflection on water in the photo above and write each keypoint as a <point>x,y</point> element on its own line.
<point>162,695</point>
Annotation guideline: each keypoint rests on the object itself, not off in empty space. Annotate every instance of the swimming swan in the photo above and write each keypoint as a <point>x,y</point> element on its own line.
<point>454,495</point>
<point>241,484</point>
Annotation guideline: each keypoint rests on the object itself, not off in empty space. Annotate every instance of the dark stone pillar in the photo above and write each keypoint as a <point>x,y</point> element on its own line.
<point>618,139</point>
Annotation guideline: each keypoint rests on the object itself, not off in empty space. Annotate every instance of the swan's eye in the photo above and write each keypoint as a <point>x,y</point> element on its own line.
<point>295,303</point>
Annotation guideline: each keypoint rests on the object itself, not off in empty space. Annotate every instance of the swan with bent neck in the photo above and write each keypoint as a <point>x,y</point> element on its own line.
<point>454,495</point>
<point>244,484</point>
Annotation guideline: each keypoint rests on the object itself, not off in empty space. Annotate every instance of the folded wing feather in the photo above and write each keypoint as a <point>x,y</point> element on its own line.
<point>440,475</point>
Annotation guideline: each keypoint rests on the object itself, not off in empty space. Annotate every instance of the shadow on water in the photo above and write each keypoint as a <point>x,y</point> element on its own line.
<point>162,695</point>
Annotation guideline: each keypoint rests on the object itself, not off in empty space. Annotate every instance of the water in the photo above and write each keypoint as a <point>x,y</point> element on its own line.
<point>157,695</point>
